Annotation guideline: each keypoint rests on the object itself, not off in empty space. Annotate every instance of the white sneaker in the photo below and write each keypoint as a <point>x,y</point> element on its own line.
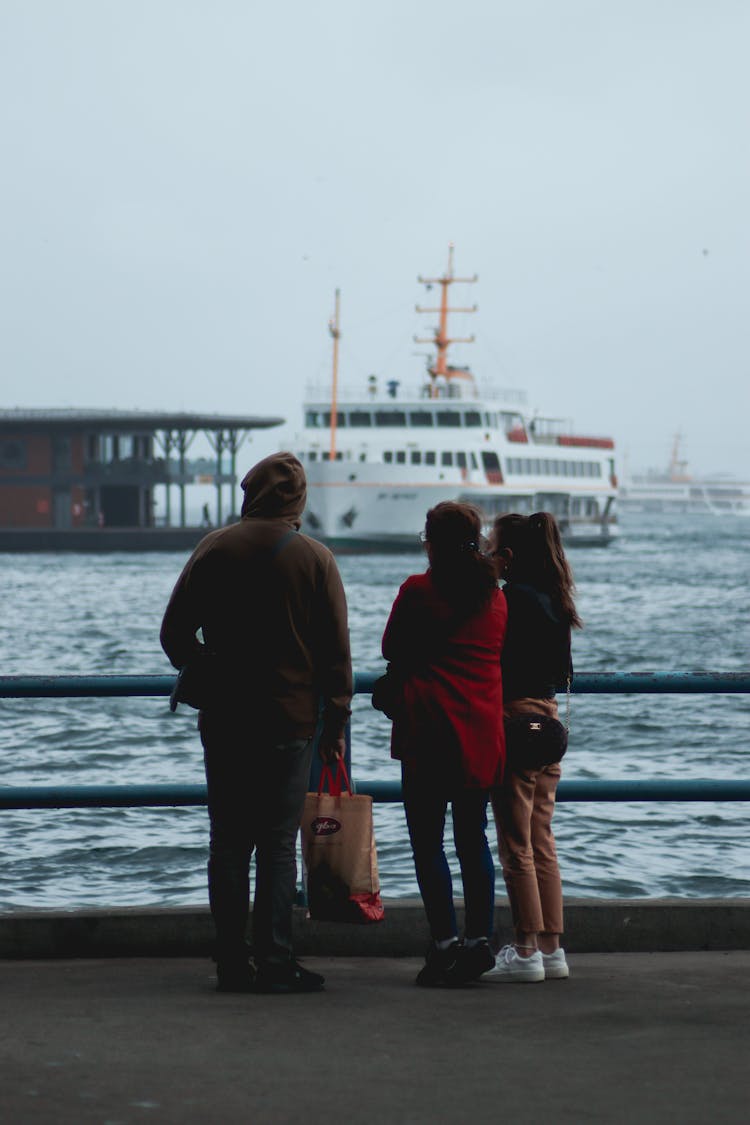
<point>510,966</point>
<point>555,965</point>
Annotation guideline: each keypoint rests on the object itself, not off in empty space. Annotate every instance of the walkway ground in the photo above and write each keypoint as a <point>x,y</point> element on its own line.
<point>635,1038</point>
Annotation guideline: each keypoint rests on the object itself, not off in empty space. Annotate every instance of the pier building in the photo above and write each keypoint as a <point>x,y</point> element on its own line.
<point>89,478</point>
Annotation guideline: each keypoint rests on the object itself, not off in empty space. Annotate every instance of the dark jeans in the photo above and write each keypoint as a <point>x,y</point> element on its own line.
<point>256,792</point>
<point>425,806</point>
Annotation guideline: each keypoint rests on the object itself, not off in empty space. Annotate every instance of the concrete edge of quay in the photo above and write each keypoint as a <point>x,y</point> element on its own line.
<point>592,926</point>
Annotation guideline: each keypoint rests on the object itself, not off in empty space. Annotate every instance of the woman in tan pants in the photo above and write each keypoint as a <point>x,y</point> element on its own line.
<point>536,663</point>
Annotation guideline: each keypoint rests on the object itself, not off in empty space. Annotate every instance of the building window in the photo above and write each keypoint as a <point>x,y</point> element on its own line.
<point>12,453</point>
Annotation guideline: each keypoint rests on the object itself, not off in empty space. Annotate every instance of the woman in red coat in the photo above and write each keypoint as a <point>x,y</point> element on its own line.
<point>444,636</point>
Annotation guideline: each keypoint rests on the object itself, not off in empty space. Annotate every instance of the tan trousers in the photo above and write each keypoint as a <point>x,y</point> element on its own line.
<point>523,809</point>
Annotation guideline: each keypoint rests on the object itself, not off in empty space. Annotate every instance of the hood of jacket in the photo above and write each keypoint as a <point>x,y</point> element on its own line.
<point>275,488</point>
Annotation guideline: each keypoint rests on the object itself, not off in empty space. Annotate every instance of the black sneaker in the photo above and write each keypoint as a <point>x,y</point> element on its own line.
<point>440,967</point>
<point>473,960</point>
<point>234,977</point>
<point>286,978</point>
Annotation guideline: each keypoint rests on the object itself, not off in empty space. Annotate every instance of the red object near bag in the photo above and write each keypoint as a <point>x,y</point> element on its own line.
<point>338,852</point>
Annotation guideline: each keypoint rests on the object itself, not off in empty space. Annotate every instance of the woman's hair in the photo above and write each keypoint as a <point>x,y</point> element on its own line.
<point>538,558</point>
<point>463,575</point>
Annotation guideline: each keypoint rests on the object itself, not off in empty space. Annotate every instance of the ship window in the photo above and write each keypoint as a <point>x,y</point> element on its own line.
<point>421,418</point>
<point>416,457</point>
<point>390,418</point>
<point>491,420</point>
<point>312,455</point>
<point>474,463</point>
<point>429,457</point>
<point>461,460</point>
<point>360,418</point>
<point>472,418</point>
<point>387,456</point>
<point>490,460</point>
<point>448,417</point>
<point>312,418</point>
<point>340,418</point>
<point>446,458</point>
<point>363,456</point>
<point>401,457</point>
<point>597,469</point>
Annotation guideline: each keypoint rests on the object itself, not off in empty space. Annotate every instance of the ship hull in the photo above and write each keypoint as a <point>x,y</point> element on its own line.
<point>380,512</point>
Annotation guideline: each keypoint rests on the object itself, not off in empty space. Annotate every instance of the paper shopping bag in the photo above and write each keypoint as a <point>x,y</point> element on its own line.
<point>338,852</point>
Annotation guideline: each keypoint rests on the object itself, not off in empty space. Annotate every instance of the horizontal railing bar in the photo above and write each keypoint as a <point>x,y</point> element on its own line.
<point>584,683</point>
<point>384,792</point>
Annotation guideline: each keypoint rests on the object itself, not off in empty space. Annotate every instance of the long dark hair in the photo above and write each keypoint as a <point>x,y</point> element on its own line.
<point>538,558</point>
<point>463,575</point>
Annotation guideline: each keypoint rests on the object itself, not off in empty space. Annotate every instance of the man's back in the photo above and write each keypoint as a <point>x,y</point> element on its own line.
<point>270,603</point>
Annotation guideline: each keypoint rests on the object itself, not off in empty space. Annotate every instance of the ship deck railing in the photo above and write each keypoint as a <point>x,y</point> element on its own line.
<point>180,795</point>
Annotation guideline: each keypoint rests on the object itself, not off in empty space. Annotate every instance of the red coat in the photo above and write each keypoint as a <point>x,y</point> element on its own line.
<point>454,696</point>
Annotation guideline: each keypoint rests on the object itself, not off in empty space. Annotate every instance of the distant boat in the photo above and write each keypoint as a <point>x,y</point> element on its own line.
<point>676,490</point>
<point>379,456</point>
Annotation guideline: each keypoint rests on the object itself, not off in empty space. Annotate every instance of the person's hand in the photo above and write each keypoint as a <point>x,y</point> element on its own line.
<point>331,749</point>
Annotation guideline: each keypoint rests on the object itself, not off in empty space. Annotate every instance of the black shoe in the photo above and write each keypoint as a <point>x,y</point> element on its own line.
<point>234,977</point>
<point>440,967</point>
<point>286,978</point>
<point>474,960</point>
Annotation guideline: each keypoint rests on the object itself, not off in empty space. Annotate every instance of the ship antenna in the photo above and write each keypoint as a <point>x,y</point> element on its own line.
<point>441,339</point>
<point>335,330</point>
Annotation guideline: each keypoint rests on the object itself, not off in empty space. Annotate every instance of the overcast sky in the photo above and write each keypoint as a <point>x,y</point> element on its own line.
<point>186,182</point>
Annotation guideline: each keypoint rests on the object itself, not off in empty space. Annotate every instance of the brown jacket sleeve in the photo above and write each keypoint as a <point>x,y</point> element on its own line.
<point>333,661</point>
<point>182,617</point>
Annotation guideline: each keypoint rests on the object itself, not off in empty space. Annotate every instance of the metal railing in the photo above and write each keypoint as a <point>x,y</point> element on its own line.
<point>173,796</point>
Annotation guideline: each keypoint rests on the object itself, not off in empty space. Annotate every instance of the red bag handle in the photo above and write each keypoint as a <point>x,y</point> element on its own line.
<point>334,779</point>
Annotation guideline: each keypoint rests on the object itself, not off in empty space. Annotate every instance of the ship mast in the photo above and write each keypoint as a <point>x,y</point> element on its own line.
<point>441,339</point>
<point>334,329</point>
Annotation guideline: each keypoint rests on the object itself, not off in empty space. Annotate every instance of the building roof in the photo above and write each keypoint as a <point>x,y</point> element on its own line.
<point>128,421</point>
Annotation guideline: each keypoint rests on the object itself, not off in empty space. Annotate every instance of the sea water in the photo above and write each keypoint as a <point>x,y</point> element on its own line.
<point>670,595</point>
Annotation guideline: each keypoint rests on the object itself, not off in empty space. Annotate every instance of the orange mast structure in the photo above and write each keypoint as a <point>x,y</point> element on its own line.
<point>441,339</point>
<point>334,329</point>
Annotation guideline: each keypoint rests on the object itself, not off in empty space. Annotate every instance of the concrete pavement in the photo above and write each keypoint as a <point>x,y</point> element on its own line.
<point>636,1037</point>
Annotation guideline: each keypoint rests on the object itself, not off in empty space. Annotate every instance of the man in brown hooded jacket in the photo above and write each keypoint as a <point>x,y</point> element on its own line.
<point>270,604</point>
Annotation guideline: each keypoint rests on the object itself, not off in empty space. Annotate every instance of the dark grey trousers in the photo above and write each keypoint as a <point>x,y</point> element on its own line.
<point>256,792</point>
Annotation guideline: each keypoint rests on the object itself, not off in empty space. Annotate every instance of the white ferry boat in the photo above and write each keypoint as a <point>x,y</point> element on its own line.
<point>676,490</point>
<point>377,458</point>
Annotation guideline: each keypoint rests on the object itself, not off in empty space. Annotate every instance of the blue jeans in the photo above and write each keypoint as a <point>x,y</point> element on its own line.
<point>425,806</point>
